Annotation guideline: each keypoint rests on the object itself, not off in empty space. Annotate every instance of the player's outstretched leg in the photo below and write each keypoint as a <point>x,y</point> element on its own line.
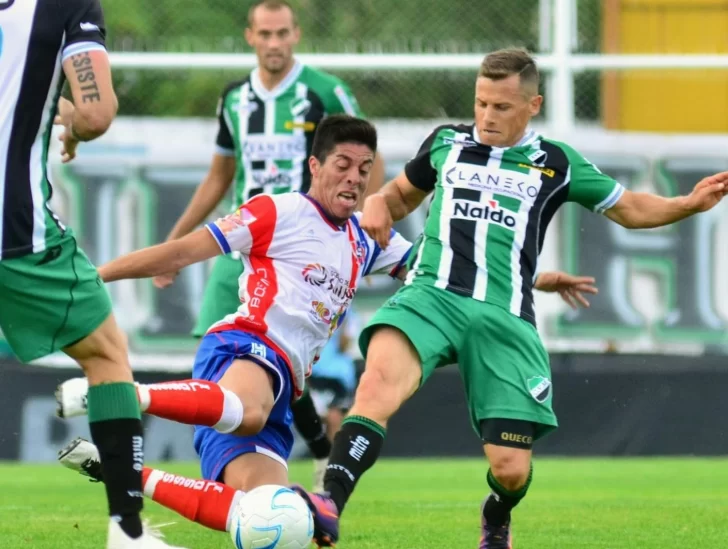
<point>206,502</point>
<point>309,425</point>
<point>116,428</point>
<point>190,401</point>
<point>392,374</point>
<point>509,477</point>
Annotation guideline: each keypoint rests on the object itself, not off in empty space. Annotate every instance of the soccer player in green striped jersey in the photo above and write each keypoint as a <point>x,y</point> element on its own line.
<point>266,124</point>
<point>468,296</point>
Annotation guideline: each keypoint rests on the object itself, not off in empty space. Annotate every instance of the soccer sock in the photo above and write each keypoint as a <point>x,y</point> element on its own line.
<point>498,505</point>
<point>203,501</point>
<point>193,401</point>
<point>356,448</point>
<point>309,424</point>
<point>116,430</point>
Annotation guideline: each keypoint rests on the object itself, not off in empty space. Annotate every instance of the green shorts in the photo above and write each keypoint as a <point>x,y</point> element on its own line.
<point>50,300</point>
<point>221,296</point>
<point>503,364</point>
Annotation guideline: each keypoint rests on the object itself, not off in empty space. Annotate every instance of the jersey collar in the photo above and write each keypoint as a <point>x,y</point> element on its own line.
<point>282,86</point>
<point>324,215</point>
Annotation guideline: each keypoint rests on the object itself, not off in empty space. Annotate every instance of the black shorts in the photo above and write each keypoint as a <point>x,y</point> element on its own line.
<point>331,391</point>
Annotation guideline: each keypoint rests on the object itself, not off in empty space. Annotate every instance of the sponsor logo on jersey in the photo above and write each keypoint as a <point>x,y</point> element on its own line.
<point>330,280</point>
<point>499,181</point>
<point>547,171</point>
<point>321,313</point>
<point>274,147</point>
<point>276,178</point>
<point>490,211</point>
<point>305,126</point>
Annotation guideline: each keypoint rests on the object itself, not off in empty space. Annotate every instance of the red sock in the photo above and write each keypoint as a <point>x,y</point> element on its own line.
<point>192,401</point>
<point>203,501</point>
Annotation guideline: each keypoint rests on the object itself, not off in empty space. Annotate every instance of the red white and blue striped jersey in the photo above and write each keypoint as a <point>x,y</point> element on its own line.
<point>301,272</point>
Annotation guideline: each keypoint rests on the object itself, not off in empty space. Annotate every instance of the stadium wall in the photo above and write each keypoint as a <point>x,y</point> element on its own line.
<point>608,405</point>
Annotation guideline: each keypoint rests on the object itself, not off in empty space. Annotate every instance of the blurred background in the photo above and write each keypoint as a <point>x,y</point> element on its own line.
<point>639,86</point>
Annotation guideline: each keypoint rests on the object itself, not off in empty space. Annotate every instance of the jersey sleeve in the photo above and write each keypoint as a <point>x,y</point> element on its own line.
<point>390,260</point>
<point>341,100</point>
<point>84,27</point>
<point>224,143</point>
<point>419,170</point>
<point>249,229</point>
<point>590,187</point>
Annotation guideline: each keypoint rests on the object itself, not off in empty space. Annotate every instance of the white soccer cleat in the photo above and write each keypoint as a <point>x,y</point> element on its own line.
<point>319,470</point>
<point>71,398</point>
<point>82,456</point>
<point>150,539</point>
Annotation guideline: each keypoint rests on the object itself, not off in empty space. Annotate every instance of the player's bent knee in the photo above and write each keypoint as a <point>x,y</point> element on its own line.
<point>255,417</point>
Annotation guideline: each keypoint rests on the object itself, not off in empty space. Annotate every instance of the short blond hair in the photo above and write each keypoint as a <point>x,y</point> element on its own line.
<point>503,63</point>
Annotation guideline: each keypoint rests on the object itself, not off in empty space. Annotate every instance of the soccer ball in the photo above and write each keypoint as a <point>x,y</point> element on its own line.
<point>271,516</point>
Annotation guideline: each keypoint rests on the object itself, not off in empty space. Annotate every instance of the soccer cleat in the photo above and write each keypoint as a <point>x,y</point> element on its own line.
<point>319,470</point>
<point>150,539</point>
<point>494,537</point>
<point>82,456</point>
<point>325,517</point>
<point>71,398</point>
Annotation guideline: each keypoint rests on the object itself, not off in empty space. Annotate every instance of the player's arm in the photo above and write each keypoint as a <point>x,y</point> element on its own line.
<point>570,288</point>
<point>173,255</point>
<point>645,210</point>
<point>602,194</point>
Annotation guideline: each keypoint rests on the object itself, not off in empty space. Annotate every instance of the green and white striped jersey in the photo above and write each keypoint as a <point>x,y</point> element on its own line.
<point>270,133</point>
<point>490,209</point>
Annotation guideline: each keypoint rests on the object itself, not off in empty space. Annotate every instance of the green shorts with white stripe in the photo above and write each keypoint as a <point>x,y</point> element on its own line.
<point>503,363</point>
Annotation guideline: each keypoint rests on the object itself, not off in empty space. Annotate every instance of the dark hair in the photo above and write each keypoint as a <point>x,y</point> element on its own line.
<point>342,128</point>
<point>504,63</point>
<point>272,5</point>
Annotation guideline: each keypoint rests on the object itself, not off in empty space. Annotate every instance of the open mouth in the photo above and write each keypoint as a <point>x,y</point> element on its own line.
<point>348,198</point>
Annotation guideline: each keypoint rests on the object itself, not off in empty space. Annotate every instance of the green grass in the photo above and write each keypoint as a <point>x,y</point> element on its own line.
<point>573,504</point>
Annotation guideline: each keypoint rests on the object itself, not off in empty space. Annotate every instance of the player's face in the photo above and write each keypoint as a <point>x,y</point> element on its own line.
<point>503,109</point>
<point>341,180</point>
<point>272,35</point>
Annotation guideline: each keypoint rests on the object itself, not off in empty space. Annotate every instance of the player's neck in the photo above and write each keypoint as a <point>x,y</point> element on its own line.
<point>271,79</point>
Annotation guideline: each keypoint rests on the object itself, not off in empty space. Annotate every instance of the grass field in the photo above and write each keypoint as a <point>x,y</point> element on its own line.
<point>425,504</point>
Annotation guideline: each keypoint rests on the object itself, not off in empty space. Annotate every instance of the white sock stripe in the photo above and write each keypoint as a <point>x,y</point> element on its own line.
<point>233,506</point>
<point>154,477</point>
<point>144,397</point>
<point>232,413</point>
<point>272,455</point>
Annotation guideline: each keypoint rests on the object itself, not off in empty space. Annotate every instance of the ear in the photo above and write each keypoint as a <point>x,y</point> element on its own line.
<point>314,165</point>
<point>535,104</point>
<point>249,36</point>
<point>296,34</point>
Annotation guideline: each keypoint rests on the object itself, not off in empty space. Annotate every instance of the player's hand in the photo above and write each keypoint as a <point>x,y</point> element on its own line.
<point>708,192</point>
<point>570,288</point>
<point>376,219</point>
<point>64,118</point>
<point>165,280</point>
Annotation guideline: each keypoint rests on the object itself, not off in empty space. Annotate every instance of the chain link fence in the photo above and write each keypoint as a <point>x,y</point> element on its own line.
<point>405,26</point>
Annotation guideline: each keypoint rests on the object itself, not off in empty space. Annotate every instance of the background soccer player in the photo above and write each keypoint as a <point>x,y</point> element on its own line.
<point>468,297</point>
<point>51,297</point>
<point>266,126</point>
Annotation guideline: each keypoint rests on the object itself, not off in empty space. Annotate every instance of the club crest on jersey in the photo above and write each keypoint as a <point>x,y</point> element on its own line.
<point>241,218</point>
<point>538,157</point>
<point>300,106</point>
<point>491,211</point>
<point>360,252</point>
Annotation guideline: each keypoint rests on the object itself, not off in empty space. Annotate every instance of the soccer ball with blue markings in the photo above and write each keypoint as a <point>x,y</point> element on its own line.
<point>272,517</point>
